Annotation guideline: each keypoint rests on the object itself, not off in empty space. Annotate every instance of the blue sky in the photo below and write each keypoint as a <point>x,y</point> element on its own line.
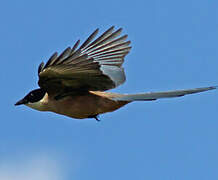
<point>174,47</point>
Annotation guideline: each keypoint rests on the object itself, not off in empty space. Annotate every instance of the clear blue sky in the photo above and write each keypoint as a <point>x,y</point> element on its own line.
<point>175,46</point>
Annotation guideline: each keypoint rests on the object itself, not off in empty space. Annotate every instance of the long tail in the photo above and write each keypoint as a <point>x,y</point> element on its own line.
<point>157,95</point>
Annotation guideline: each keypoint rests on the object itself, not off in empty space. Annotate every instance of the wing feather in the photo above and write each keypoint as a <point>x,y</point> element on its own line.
<point>62,56</point>
<point>95,65</point>
<point>100,38</point>
<point>74,47</point>
<point>51,60</point>
<point>104,41</point>
<point>89,39</point>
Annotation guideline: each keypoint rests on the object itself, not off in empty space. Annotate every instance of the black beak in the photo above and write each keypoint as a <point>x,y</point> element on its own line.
<point>22,101</point>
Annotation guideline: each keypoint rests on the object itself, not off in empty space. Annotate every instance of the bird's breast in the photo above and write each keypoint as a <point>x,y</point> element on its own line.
<point>83,106</point>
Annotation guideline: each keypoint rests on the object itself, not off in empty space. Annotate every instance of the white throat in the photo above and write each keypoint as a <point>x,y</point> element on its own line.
<point>39,105</point>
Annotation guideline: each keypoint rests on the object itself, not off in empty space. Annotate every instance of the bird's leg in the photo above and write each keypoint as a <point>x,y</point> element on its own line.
<point>96,116</point>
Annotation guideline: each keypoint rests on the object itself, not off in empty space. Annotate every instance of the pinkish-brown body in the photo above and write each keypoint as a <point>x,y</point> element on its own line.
<point>83,106</point>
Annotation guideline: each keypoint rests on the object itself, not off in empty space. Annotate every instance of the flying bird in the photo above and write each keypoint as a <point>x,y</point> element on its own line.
<point>74,83</point>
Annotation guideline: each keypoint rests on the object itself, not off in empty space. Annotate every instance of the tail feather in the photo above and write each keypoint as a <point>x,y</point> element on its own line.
<point>149,96</point>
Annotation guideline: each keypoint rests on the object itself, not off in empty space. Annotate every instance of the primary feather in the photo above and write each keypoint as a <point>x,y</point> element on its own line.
<point>95,65</point>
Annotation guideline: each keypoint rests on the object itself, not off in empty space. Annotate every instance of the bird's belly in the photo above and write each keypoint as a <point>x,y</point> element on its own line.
<point>76,107</point>
<point>81,107</point>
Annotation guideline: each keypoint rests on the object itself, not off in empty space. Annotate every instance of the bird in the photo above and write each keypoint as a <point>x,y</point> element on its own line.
<point>75,83</point>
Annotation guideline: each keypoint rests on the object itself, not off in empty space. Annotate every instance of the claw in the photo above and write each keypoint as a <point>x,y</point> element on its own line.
<point>95,116</point>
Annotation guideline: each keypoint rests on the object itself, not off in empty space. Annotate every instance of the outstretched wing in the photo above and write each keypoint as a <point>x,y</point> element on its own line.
<point>95,65</point>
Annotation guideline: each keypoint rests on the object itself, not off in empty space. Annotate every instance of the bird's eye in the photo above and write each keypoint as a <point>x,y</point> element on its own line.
<point>31,94</point>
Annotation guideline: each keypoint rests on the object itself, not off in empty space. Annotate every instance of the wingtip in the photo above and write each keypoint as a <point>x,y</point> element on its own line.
<point>96,31</point>
<point>119,30</point>
<point>111,28</point>
<point>41,66</point>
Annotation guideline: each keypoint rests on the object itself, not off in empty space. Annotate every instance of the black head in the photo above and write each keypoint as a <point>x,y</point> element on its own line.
<point>33,96</point>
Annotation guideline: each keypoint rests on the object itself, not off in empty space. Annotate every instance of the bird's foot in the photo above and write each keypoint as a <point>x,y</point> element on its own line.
<point>95,116</point>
